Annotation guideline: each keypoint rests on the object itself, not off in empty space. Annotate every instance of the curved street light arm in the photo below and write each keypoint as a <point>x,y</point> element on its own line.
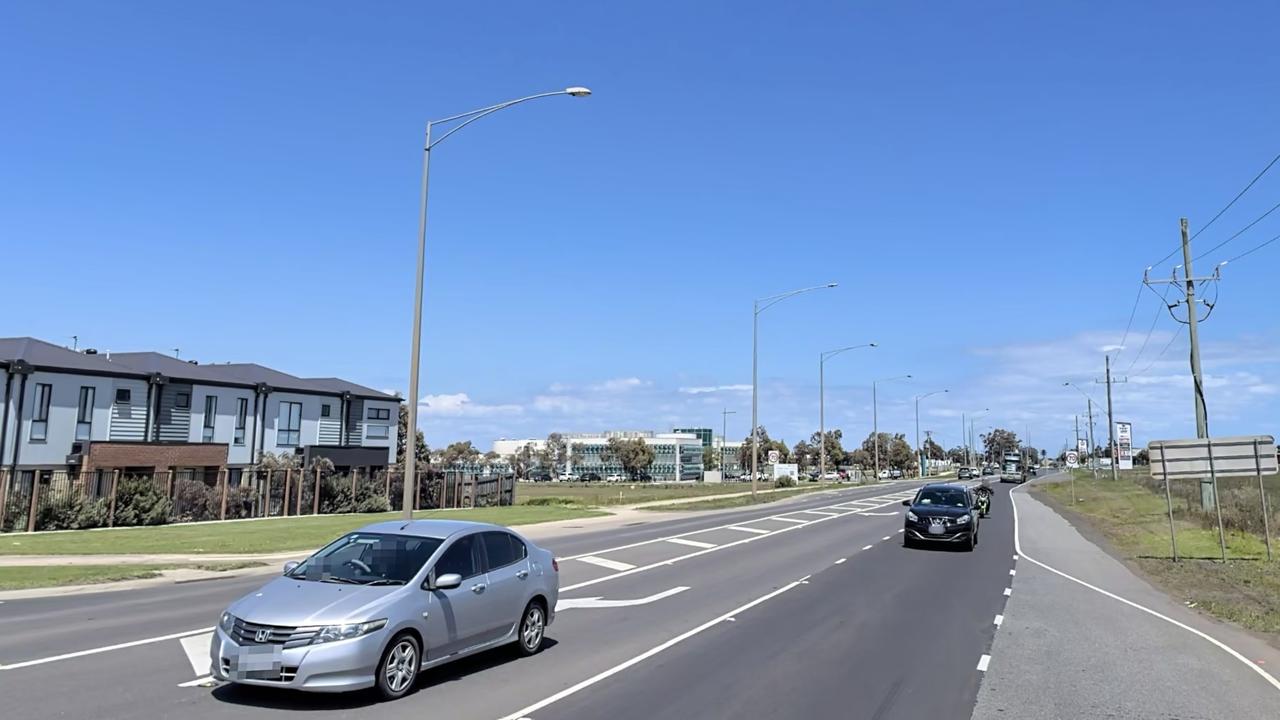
<point>475,115</point>
<point>775,299</point>
<point>832,353</point>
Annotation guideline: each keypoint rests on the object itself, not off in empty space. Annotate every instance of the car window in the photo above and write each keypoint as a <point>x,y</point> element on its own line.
<point>949,498</point>
<point>368,558</point>
<point>502,549</point>
<point>460,558</point>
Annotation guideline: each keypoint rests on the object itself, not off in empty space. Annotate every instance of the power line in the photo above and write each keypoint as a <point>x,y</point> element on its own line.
<point>1227,207</point>
<point>1239,232</point>
<point>1164,304</point>
<point>1136,300</point>
<point>1254,249</point>
<point>1172,339</point>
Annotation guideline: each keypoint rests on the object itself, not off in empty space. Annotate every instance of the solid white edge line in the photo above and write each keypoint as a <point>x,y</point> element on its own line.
<point>107,648</point>
<point>1017,546</point>
<point>604,675</point>
<point>197,682</point>
<point>757,531</point>
<point>691,543</point>
<point>983,662</point>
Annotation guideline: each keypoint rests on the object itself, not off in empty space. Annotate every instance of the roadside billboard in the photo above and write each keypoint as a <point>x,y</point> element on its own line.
<point>1124,445</point>
<point>1082,446</point>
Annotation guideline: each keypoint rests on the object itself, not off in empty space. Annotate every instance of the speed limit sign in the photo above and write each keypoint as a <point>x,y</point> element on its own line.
<point>774,457</point>
<point>1073,458</point>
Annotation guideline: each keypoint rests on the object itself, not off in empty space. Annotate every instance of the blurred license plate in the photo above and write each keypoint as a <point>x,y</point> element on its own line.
<point>258,659</point>
<point>936,529</point>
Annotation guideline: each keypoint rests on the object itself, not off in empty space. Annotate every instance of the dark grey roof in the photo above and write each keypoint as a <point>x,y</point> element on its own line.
<point>340,385</point>
<point>43,355</point>
<point>253,372</point>
<point>154,362</point>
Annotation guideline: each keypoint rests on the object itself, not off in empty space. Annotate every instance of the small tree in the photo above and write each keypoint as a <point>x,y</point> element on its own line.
<point>424,453</point>
<point>710,458</point>
<point>634,455</point>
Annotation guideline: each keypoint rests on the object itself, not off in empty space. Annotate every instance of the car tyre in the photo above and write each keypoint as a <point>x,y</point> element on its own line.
<point>973,542</point>
<point>533,628</point>
<point>398,669</point>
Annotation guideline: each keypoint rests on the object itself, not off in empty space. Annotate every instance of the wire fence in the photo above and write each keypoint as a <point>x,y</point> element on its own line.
<point>35,500</point>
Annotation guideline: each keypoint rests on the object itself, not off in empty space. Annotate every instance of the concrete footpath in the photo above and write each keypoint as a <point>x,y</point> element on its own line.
<point>1066,650</point>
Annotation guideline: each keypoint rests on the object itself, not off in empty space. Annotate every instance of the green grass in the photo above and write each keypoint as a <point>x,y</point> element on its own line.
<point>739,501</point>
<point>255,536</point>
<point>1135,522</point>
<point>39,576</point>
<point>601,494</point>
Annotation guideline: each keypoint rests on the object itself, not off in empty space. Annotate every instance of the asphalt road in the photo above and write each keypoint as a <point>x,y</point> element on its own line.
<point>810,608</point>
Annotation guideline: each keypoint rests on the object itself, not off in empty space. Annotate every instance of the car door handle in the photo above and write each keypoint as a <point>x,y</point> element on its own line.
<point>522,574</point>
<point>478,588</point>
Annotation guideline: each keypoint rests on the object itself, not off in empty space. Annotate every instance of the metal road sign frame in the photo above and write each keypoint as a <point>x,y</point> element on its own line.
<point>1237,456</point>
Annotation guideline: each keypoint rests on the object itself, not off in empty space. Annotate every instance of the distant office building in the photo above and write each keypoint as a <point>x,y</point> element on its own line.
<point>677,455</point>
<point>730,456</point>
<point>703,434</point>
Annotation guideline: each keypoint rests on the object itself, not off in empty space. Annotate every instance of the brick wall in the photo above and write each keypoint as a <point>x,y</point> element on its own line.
<point>162,456</point>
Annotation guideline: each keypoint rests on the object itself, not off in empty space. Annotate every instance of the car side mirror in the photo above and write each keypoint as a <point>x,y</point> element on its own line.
<point>291,566</point>
<point>906,503</point>
<point>448,581</point>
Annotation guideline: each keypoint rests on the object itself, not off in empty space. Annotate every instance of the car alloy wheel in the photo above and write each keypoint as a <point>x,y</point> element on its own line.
<point>399,667</point>
<point>533,627</point>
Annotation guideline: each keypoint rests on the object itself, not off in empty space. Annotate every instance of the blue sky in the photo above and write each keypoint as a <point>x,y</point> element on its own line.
<point>985,180</point>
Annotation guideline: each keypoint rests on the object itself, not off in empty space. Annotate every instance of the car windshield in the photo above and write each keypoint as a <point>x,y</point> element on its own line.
<point>951,498</point>
<point>368,559</point>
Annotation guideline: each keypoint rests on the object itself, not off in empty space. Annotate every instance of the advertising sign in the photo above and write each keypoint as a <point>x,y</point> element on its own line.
<point>1124,445</point>
<point>1082,446</point>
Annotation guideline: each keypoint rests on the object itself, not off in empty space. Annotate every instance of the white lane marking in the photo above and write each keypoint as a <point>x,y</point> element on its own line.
<point>197,682</point>
<point>596,602</point>
<point>867,547</point>
<point>197,649</point>
<point>1017,546</point>
<point>1015,557</point>
<point>691,543</point>
<point>739,528</point>
<point>879,498</point>
<point>1012,571</point>
<point>999,620</point>
<point>983,662</point>
<point>694,554</point>
<point>819,512</point>
<point>572,689</point>
<point>841,561</point>
<point>606,563</point>
<point>1008,592</point>
<point>107,648</point>
<point>787,519</point>
<point>886,537</point>
<point>884,514</point>
<point>900,530</point>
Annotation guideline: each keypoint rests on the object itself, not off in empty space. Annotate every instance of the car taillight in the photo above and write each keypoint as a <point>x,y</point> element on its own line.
<point>555,565</point>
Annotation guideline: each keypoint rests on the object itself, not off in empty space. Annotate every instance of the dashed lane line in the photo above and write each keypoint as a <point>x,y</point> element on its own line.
<point>740,528</point>
<point>606,563</point>
<point>691,543</point>
<point>867,547</point>
<point>983,662</point>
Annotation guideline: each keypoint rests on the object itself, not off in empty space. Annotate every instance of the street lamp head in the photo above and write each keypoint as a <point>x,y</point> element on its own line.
<point>872,345</point>
<point>577,91</point>
<point>831,285</point>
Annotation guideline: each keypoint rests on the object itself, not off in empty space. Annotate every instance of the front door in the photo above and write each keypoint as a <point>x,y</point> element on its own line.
<point>507,565</point>
<point>458,618</point>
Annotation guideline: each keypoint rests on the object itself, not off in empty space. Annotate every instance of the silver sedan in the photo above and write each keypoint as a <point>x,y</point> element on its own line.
<point>379,605</point>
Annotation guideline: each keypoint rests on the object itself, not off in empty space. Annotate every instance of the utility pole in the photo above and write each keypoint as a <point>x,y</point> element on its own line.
<point>1093,462</point>
<point>1188,288</point>
<point>875,430</point>
<point>1111,423</point>
<point>1078,434</point>
<point>724,440</point>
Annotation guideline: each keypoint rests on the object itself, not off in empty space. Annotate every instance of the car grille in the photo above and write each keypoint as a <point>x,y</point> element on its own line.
<point>286,674</point>
<point>246,633</point>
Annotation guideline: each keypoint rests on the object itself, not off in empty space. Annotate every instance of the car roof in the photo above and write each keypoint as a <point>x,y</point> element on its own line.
<point>943,486</point>
<point>428,528</point>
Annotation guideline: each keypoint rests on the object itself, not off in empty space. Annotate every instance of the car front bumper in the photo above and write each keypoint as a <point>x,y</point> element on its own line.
<point>339,666</point>
<point>950,533</point>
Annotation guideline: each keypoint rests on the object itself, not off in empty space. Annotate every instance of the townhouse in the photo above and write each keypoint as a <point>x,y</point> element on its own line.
<point>69,411</point>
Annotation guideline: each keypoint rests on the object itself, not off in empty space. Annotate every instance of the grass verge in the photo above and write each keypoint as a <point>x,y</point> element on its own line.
<point>256,536</point>
<point>733,502</point>
<point>40,576</point>
<point>1134,521</point>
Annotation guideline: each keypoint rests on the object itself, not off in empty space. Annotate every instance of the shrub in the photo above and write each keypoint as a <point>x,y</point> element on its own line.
<point>549,500</point>
<point>92,514</point>
<point>373,504</point>
<point>240,502</point>
<point>785,481</point>
<point>140,501</point>
<point>194,501</point>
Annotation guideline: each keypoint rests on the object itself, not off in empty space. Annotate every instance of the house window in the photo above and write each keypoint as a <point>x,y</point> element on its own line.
<point>40,413</point>
<point>210,414</point>
<point>325,410</point>
<point>84,416</point>
<point>377,432</point>
<point>123,395</point>
<point>242,413</point>
<point>289,425</point>
<point>379,414</point>
<point>182,401</point>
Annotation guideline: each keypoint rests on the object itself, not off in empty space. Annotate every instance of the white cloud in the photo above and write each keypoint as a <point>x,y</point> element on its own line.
<point>705,389</point>
<point>460,405</point>
<point>619,384</point>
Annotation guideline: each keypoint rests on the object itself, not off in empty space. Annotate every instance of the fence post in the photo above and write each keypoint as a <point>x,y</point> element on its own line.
<point>4,495</point>
<point>226,480</point>
<point>1262,493</point>
<point>284,504</point>
<point>1217,501</point>
<point>111,511</point>
<point>354,474</point>
<point>266,497</point>
<point>315,497</point>
<point>35,496</point>
<point>1168,501</point>
<point>297,499</point>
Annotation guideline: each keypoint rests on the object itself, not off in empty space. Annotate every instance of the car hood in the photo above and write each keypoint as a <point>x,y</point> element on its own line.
<point>938,511</point>
<point>293,602</point>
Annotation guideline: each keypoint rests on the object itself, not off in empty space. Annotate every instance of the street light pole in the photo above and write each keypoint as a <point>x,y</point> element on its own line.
<point>966,429</point>
<point>724,439</point>
<point>411,439</point>
<point>756,309</point>
<point>920,450</point>
<point>875,419</point>
<point>1092,461</point>
<point>822,405</point>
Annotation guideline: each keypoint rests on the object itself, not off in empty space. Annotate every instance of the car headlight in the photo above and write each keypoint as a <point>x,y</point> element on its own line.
<point>962,519</point>
<point>912,516</point>
<point>332,633</point>
<point>226,622</point>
